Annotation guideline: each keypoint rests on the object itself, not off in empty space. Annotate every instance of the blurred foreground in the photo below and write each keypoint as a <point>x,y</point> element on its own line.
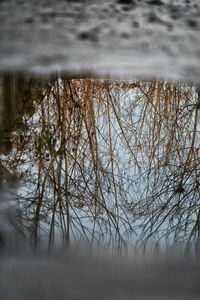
<point>78,277</point>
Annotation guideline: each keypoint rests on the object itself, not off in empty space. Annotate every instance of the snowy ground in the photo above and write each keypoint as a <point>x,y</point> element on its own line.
<point>150,38</point>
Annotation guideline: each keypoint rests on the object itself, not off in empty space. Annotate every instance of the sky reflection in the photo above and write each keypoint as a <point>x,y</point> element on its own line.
<point>102,162</point>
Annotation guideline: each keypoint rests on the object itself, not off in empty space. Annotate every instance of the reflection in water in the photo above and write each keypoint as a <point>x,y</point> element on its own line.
<point>102,161</point>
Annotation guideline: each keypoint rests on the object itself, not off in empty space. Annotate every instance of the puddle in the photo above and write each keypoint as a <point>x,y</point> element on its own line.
<point>99,149</point>
<point>90,163</point>
<point>102,161</point>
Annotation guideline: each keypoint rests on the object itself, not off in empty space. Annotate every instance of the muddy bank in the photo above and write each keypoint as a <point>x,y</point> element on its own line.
<point>155,38</point>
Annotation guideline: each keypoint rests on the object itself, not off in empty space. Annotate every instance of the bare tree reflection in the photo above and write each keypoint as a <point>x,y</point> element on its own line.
<point>102,160</point>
